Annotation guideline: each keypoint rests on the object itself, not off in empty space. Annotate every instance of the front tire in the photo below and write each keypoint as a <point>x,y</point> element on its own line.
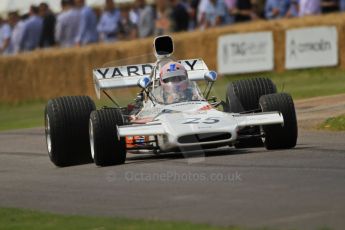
<point>278,136</point>
<point>244,95</point>
<point>66,130</point>
<point>106,147</point>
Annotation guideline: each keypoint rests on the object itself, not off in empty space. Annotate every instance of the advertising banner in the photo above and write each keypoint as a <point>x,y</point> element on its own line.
<point>311,47</point>
<point>245,53</point>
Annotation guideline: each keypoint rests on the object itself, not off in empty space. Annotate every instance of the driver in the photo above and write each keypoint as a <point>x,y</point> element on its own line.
<point>175,83</point>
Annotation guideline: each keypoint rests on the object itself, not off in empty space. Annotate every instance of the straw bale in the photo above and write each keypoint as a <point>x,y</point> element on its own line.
<point>51,73</point>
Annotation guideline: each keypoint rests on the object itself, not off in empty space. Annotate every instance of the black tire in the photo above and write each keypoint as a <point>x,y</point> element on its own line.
<point>67,130</point>
<point>278,136</point>
<point>244,95</point>
<point>107,149</point>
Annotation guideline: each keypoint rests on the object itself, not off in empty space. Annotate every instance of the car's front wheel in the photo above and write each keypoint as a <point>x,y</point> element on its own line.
<point>107,148</point>
<point>243,96</point>
<point>280,136</point>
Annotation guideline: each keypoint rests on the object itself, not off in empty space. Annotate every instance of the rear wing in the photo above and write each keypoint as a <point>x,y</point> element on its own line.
<point>128,76</point>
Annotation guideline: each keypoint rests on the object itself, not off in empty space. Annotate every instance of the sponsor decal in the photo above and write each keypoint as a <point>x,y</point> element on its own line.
<point>208,120</point>
<point>172,67</point>
<point>141,69</point>
<point>245,53</point>
<point>188,103</point>
<point>311,47</point>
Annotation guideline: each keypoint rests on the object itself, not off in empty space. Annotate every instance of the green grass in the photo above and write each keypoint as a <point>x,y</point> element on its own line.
<point>299,83</point>
<point>26,114</point>
<point>23,115</point>
<point>12,219</point>
<point>334,124</point>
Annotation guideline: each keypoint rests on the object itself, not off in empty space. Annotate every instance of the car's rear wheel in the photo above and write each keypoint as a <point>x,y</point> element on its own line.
<point>280,136</point>
<point>244,95</point>
<point>66,130</point>
<point>107,147</point>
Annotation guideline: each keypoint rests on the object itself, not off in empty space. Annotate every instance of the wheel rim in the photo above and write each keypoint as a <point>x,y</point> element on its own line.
<point>48,135</point>
<point>92,141</point>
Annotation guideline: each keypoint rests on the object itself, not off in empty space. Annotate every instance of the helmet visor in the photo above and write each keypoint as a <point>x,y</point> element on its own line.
<point>175,79</point>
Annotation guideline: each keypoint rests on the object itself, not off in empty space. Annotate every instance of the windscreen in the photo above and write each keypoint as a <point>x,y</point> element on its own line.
<point>175,93</point>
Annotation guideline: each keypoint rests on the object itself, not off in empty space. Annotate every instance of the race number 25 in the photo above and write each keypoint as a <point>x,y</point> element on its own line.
<point>209,120</point>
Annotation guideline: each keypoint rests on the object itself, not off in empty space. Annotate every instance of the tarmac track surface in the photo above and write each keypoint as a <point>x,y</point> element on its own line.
<point>302,188</point>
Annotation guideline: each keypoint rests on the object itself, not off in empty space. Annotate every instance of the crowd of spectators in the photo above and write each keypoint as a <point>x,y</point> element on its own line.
<point>78,24</point>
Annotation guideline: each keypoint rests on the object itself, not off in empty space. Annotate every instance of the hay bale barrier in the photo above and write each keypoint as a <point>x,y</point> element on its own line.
<point>45,74</point>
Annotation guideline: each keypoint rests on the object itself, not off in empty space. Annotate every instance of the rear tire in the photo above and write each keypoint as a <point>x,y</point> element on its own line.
<point>106,147</point>
<point>244,95</point>
<point>278,136</point>
<point>66,129</point>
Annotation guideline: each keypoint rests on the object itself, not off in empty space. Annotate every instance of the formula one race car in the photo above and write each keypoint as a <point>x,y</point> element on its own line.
<point>170,114</point>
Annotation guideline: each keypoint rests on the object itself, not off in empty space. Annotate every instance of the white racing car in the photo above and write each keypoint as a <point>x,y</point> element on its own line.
<point>169,114</point>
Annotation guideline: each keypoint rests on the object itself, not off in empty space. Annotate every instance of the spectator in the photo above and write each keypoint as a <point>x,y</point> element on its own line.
<point>87,31</point>
<point>223,12</point>
<point>275,9</point>
<point>5,36</point>
<point>13,19</point>
<point>109,22</point>
<point>243,11</point>
<point>47,37</point>
<point>127,28</point>
<point>98,12</point>
<point>212,13</point>
<point>77,24</point>
<point>134,14</point>
<point>163,17</point>
<point>17,32</point>
<point>145,19</point>
<point>309,7</point>
<point>329,6</point>
<point>32,30</point>
<point>293,10</point>
<point>259,8</point>
<point>230,6</point>
<point>202,8</point>
<point>342,5</point>
<point>193,14</point>
<point>66,30</point>
<point>180,16</point>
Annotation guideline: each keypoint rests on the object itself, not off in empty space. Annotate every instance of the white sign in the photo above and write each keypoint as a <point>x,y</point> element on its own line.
<point>311,47</point>
<point>245,53</point>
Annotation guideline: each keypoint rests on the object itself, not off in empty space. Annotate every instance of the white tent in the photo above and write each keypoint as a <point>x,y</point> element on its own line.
<point>23,5</point>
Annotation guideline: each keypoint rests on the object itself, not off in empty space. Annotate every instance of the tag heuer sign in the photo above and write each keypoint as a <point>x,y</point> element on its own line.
<point>245,53</point>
